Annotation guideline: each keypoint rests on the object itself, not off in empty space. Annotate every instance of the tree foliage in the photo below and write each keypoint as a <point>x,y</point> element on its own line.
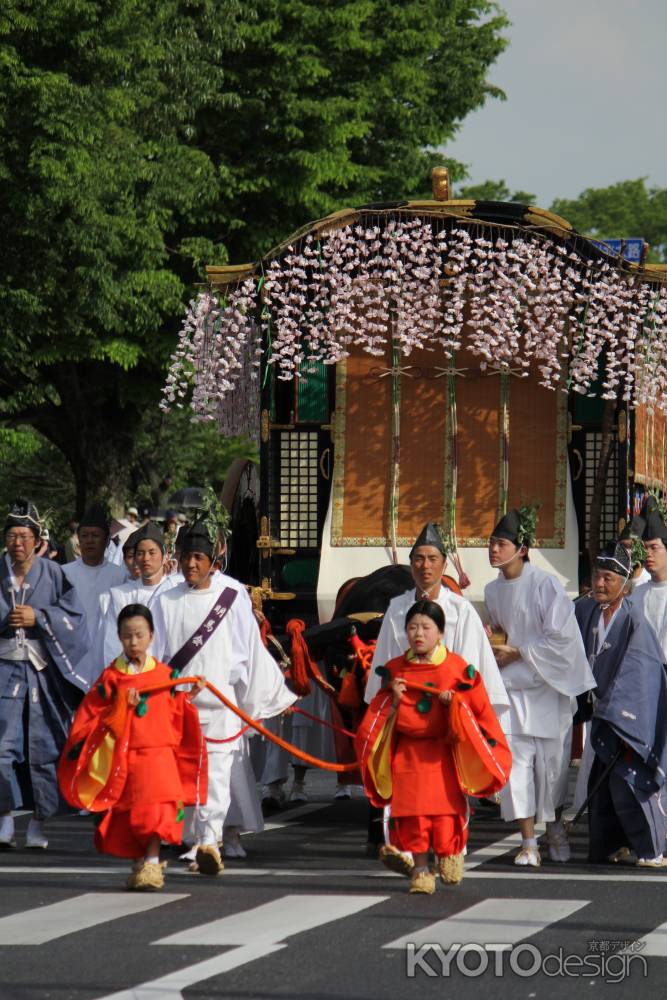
<point>144,138</point>
<point>342,104</point>
<point>625,209</point>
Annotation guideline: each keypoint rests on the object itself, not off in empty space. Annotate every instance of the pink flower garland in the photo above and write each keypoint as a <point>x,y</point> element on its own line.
<point>511,298</point>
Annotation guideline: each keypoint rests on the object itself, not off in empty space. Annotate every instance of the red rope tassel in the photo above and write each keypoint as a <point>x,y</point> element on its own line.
<point>303,665</point>
<point>299,656</point>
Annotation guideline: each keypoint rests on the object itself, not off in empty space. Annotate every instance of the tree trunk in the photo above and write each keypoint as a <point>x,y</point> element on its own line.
<point>607,445</point>
<point>94,424</point>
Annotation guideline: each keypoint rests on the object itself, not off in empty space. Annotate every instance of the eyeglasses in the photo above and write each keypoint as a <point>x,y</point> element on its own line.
<point>13,537</point>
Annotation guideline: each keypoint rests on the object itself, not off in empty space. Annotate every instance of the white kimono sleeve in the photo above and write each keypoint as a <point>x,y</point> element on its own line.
<point>257,679</point>
<point>160,643</point>
<point>558,655</point>
<point>472,643</point>
<point>388,647</point>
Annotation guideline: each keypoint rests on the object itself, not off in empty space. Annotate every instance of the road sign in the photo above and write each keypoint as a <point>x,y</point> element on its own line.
<point>631,248</point>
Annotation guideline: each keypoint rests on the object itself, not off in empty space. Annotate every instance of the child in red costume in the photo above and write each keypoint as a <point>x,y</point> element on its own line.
<point>424,753</point>
<point>137,757</point>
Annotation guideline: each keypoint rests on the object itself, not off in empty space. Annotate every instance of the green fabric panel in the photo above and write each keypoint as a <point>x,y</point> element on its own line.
<point>312,394</point>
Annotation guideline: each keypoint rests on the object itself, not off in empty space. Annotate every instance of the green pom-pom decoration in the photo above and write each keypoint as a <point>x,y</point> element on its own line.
<point>462,686</point>
<point>142,707</point>
<point>491,741</point>
<point>175,673</point>
<point>180,815</point>
<point>75,752</point>
<point>424,705</point>
<point>470,671</point>
<point>102,691</point>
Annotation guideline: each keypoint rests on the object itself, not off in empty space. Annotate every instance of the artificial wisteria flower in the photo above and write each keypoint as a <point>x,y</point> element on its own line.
<point>517,300</point>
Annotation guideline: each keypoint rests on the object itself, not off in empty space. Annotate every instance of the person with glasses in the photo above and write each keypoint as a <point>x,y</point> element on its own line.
<point>43,641</point>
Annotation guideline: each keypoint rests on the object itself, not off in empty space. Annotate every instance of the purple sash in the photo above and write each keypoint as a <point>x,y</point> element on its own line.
<point>199,638</point>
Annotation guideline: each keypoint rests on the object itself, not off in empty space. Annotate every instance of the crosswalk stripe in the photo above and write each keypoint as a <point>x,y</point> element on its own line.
<point>46,923</point>
<point>493,921</point>
<point>257,933</point>
<point>275,921</point>
<point>496,849</point>
<point>654,945</point>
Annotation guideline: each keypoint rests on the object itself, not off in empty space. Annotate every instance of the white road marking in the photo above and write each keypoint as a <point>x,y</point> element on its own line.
<point>493,921</point>
<point>654,945</point>
<point>46,923</point>
<point>522,875</point>
<point>256,933</point>
<point>286,818</point>
<point>497,848</point>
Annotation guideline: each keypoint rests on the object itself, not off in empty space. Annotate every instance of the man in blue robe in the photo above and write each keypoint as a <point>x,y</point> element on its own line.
<point>43,638</point>
<point>629,719</point>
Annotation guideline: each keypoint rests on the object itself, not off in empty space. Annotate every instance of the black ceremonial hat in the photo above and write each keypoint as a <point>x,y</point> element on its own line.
<point>508,526</point>
<point>23,514</point>
<point>655,525</point>
<point>634,528</point>
<point>97,516</point>
<point>431,534</point>
<point>147,532</point>
<point>197,538</point>
<point>615,558</point>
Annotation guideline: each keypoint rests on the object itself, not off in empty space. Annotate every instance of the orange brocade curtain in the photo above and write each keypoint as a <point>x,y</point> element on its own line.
<point>430,444</point>
<point>650,441</point>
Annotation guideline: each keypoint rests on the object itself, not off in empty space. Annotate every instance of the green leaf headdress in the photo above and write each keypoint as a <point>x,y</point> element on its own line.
<point>212,516</point>
<point>527,532</point>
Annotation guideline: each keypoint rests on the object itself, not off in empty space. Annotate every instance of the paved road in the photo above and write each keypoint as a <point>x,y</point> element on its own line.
<point>307,915</point>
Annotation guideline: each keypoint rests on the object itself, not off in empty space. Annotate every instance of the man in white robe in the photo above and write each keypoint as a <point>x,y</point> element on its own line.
<point>464,631</point>
<point>149,557</point>
<point>209,627</point>
<point>92,576</point>
<point>544,667</point>
<point>651,599</point>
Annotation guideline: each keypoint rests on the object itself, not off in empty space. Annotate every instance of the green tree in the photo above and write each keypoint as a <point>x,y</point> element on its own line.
<point>342,104</point>
<point>101,189</point>
<point>494,191</point>
<point>625,209</point>
<point>144,138</point>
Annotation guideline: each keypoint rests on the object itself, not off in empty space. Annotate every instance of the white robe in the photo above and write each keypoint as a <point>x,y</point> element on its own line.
<point>235,660</point>
<point>538,617</point>
<point>652,600</point>
<point>107,643</point>
<point>539,620</point>
<point>92,585</point>
<point>309,736</point>
<point>639,581</point>
<point>464,634</point>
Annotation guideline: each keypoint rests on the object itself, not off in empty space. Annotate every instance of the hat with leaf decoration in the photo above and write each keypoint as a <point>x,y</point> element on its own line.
<point>518,525</point>
<point>206,528</point>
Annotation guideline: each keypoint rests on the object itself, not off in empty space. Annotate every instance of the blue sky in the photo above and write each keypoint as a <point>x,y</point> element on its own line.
<point>586,85</point>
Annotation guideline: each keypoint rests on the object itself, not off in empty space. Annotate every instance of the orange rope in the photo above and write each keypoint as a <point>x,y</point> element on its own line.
<point>257,726</point>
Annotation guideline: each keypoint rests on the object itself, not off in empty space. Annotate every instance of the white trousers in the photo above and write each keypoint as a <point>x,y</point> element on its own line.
<point>562,782</point>
<point>209,819</point>
<point>245,810</point>
<point>535,779</point>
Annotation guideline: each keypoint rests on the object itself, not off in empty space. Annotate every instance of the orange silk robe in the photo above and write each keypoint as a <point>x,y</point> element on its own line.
<point>120,757</point>
<point>424,762</point>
